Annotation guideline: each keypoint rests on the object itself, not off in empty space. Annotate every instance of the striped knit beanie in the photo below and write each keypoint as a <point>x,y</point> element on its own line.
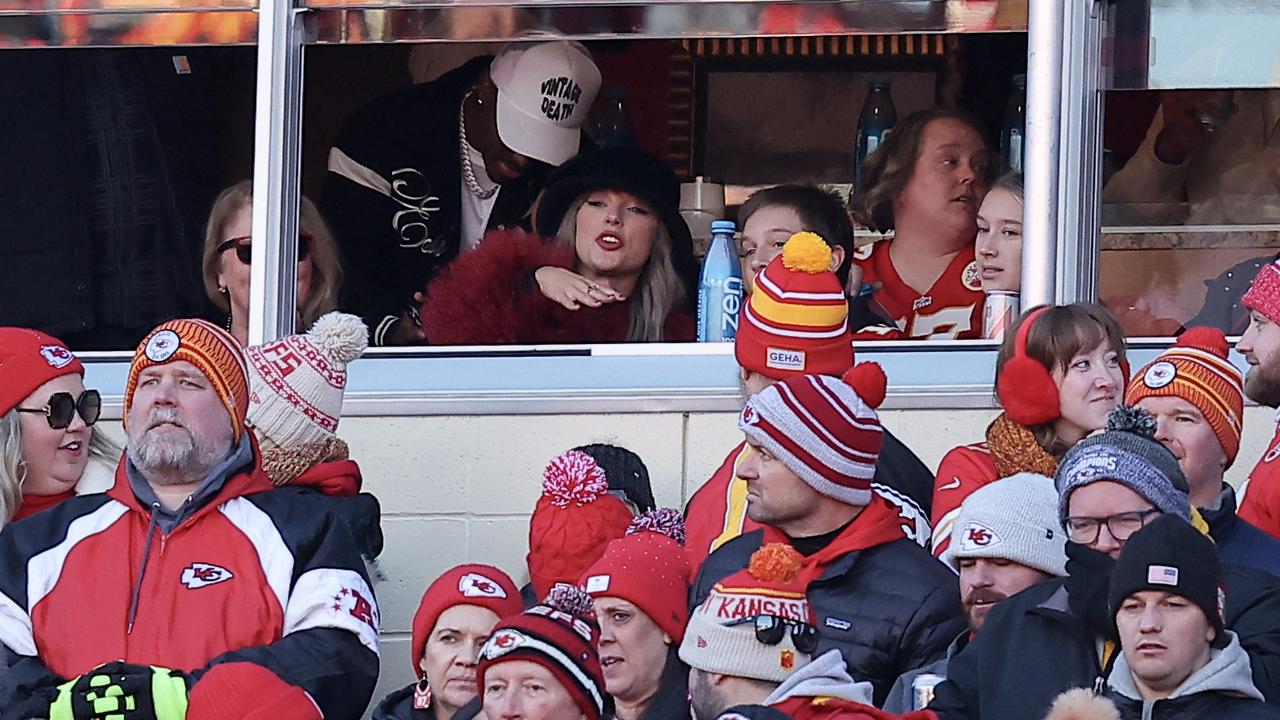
<point>1264,294</point>
<point>559,635</point>
<point>1196,369</point>
<point>719,641</point>
<point>211,349</point>
<point>797,320</point>
<point>824,429</point>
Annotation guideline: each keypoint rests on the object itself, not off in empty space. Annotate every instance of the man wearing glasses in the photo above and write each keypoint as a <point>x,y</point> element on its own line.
<point>191,587</point>
<point>751,648</point>
<point>879,598</point>
<point>1060,634</point>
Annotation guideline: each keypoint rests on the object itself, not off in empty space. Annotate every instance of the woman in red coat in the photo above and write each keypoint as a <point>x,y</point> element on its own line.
<point>611,262</point>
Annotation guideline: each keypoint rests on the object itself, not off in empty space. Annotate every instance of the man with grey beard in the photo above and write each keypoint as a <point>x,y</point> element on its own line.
<point>206,592</point>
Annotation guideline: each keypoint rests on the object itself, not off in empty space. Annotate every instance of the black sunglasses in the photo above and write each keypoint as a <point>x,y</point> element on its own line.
<point>244,247</point>
<point>770,629</point>
<point>62,407</point>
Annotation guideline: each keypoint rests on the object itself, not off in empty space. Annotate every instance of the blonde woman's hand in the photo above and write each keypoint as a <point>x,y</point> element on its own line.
<point>571,290</point>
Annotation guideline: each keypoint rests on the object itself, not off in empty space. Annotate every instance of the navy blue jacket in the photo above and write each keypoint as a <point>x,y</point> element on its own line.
<point>1239,541</point>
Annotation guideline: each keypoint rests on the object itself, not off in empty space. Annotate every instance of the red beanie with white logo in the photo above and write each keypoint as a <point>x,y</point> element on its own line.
<point>29,359</point>
<point>824,429</point>
<point>769,586</point>
<point>649,569</point>
<point>1264,293</point>
<point>481,585</point>
<point>559,635</point>
<point>573,522</point>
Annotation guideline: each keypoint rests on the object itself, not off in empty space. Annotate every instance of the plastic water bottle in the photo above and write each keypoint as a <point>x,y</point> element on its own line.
<point>1014,129</point>
<point>611,127</point>
<point>720,287</point>
<point>877,119</point>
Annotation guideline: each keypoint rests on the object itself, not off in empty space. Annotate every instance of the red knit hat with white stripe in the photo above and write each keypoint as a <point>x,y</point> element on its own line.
<point>824,429</point>
<point>560,635</point>
<point>1196,369</point>
<point>1264,293</point>
<point>211,349</point>
<point>797,320</point>
<point>649,569</point>
<point>574,520</point>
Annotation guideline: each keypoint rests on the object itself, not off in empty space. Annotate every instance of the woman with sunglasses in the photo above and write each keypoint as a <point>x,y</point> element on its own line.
<point>228,252</point>
<point>639,589</point>
<point>48,448</point>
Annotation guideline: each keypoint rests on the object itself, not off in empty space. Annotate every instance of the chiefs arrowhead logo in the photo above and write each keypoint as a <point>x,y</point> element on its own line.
<point>474,585</point>
<point>978,536</point>
<point>56,355</point>
<point>749,415</point>
<point>1159,375</point>
<point>501,643</point>
<point>199,575</point>
<point>971,278</point>
<point>787,659</point>
<point>702,642</point>
<point>162,346</point>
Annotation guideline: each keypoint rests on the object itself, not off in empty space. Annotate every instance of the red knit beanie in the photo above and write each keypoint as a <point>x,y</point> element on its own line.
<point>1264,293</point>
<point>649,569</point>
<point>797,320</point>
<point>574,520</point>
<point>561,636</point>
<point>246,691</point>
<point>29,359</point>
<point>481,585</point>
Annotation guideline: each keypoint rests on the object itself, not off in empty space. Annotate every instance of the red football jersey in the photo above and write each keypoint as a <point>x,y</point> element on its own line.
<point>962,470</point>
<point>1260,494</point>
<point>951,309</point>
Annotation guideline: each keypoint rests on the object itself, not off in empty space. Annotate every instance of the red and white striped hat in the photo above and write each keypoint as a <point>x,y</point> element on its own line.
<point>824,429</point>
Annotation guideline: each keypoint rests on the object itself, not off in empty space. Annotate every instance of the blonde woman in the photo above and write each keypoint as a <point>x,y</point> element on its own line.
<point>616,264</point>
<point>228,253</point>
<point>48,448</point>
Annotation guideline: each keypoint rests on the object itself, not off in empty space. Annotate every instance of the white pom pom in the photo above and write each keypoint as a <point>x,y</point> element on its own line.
<point>339,336</point>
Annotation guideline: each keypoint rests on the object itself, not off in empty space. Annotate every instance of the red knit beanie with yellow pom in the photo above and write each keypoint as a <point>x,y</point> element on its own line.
<point>770,586</point>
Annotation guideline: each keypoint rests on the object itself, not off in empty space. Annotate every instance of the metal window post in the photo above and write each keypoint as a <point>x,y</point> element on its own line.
<point>1044,105</point>
<point>276,166</point>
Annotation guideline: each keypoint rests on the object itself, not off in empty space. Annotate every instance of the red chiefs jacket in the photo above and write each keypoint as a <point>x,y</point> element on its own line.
<point>1260,494</point>
<point>962,471</point>
<point>251,574</point>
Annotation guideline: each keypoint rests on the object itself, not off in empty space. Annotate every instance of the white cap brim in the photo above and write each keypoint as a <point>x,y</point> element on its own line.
<point>535,137</point>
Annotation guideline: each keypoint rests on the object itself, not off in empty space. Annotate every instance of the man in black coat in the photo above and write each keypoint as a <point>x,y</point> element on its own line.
<point>418,177</point>
<point>1060,634</point>
<point>879,598</point>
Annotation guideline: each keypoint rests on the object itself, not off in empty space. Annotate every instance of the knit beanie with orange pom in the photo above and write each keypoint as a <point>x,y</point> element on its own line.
<point>573,522</point>
<point>1196,369</point>
<point>797,320</point>
<point>721,637</point>
<point>824,429</point>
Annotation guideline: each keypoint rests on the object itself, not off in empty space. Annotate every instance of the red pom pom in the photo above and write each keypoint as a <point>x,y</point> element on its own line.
<point>573,477</point>
<point>664,521</point>
<point>1209,339</point>
<point>1027,392</point>
<point>869,381</point>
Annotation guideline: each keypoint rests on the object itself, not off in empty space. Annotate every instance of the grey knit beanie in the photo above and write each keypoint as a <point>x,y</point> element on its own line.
<point>1011,519</point>
<point>1126,453</point>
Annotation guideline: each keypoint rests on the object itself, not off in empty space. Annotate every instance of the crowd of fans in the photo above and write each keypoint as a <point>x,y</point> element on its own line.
<point>1088,558</point>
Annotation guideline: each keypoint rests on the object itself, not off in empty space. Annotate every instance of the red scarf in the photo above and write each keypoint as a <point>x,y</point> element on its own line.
<point>877,524</point>
<point>32,504</point>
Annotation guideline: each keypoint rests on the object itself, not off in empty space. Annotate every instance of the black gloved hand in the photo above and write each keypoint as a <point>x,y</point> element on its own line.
<point>1088,580</point>
<point>121,691</point>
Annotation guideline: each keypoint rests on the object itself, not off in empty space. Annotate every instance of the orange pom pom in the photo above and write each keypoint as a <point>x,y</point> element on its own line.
<point>775,562</point>
<point>869,381</point>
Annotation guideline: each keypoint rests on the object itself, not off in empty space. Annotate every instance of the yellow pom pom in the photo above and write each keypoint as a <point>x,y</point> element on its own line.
<point>775,562</point>
<point>806,252</point>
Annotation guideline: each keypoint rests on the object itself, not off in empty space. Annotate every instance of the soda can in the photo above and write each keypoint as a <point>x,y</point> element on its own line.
<point>998,313</point>
<point>922,689</point>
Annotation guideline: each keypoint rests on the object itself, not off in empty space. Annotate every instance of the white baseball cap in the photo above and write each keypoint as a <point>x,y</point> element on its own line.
<point>544,93</point>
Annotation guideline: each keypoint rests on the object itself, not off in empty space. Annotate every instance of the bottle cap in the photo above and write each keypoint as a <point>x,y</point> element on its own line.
<point>719,226</point>
<point>880,80</point>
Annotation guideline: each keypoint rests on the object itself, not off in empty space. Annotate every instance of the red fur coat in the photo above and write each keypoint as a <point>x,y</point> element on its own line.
<point>488,297</point>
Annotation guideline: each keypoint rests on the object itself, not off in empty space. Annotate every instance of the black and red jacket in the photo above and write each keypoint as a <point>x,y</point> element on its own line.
<point>241,573</point>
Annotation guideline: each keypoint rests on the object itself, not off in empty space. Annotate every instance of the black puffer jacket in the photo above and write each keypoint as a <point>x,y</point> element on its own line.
<point>1221,690</point>
<point>672,700</point>
<point>399,706</point>
<point>888,609</point>
<point>1033,647</point>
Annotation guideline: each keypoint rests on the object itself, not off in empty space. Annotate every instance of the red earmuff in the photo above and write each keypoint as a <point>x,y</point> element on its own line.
<point>1025,388</point>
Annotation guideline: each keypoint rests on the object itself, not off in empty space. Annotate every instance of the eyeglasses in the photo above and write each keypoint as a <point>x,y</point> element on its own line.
<point>1085,530</point>
<point>62,407</point>
<point>770,629</point>
<point>244,247</point>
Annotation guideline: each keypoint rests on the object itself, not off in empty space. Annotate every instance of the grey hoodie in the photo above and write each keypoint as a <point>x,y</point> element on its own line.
<point>824,676</point>
<point>1226,677</point>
